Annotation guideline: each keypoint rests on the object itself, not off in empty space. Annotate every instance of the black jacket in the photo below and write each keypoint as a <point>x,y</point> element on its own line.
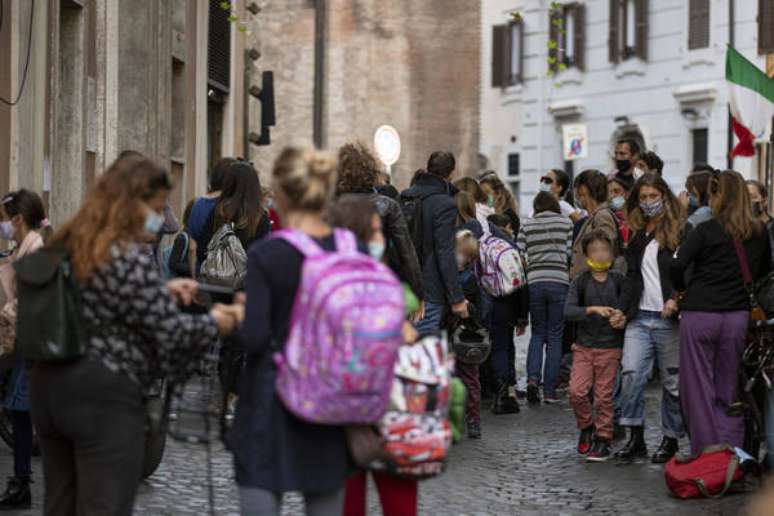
<point>716,283</point>
<point>635,252</point>
<point>401,255</point>
<point>594,331</point>
<point>439,264</point>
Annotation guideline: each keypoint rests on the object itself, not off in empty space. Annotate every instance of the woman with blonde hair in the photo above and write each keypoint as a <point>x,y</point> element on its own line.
<point>89,412</point>
<point>726,252</point>
<point>652,336</point>
<point>274,451</point>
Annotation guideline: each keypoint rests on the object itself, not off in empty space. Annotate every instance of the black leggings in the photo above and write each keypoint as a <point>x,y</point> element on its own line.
<point>22,443</point>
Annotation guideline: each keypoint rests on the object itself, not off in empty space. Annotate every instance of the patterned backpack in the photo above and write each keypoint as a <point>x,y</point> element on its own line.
<point>416,429</point>
<point>337,364</point>
<point>500,269</point>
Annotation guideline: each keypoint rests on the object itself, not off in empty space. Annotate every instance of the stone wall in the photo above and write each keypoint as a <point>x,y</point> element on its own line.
<point>413,65</point>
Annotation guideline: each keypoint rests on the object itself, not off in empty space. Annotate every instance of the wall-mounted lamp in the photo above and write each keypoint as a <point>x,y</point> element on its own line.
<point>622,121</point>
<point>253,8</point>
<point>253,54</point>
<point>690,113</point>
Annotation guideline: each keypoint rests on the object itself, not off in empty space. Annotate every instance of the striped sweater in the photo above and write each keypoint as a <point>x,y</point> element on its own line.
<point>545,242</point>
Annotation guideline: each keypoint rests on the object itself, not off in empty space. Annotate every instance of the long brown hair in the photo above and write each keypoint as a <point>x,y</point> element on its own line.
<point>503,196</point>
<point>466,207</point>
<point>240,199</point>
<point>470,185</point>
<point>112,213</point>
<point>667,231</point>
<point>730,202</point>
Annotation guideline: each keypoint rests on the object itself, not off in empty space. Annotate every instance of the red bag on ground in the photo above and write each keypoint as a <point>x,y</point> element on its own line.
<point>709,475</point>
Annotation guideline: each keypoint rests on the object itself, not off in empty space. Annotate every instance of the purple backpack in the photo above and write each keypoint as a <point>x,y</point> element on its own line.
<point>337,364</point>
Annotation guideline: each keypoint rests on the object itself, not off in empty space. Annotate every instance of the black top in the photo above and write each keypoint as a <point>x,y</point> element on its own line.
<point>716,283</point>
<point>514,219</point>
<point>439,212</point>
<point>263,229</point>
<point>273,449</point>
<point>635,252</point>
<point>594,331</point>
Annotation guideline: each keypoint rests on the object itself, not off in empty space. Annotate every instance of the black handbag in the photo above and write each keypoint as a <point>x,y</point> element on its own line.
<point>49,320</point>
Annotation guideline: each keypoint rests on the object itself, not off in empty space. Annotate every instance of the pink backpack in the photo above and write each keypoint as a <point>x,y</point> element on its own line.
<point>500,269</point>
<point>337,364</point>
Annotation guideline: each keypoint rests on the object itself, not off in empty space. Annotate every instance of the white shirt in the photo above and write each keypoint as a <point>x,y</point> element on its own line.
<point>482,212</point>
<point>652,298</point>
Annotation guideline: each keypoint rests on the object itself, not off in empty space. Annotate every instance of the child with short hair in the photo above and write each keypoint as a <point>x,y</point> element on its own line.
<point>467,252</point>
<point>597,300</point>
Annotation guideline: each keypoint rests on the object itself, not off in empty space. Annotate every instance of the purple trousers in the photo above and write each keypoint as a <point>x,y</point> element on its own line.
<point>468,373</point>
<point>711,346</point>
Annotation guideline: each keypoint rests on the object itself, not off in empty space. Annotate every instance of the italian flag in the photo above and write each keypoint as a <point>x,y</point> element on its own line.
<point>751,97</point>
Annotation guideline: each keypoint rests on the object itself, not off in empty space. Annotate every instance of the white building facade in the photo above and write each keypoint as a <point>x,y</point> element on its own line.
<point>653,70</point>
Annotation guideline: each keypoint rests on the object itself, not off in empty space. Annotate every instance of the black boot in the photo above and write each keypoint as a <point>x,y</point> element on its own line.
<point>635,447</point>
<point>17,494</point>
<point>666,450</point>
<point>504,403</point>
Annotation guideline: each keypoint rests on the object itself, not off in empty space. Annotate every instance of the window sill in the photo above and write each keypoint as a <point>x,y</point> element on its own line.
<point>570,76</point>
<point>632,66</point>
<point>513,90</point>
<point>699,57</point>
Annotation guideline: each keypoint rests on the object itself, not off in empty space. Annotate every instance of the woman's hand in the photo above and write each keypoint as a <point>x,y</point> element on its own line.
<point>183,290</point>
<point>602,311</point>
<point>670,309</point>
<point>409,333</point>
<point>225,319</point>
<point>419,314</point>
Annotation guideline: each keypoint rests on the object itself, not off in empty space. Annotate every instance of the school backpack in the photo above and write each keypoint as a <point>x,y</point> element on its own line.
<point>500,269</point>
<point>226,261</point>
<point>336,365</point>
<point>174,258</point>
<point>709,475</point>
<point>416,429</point>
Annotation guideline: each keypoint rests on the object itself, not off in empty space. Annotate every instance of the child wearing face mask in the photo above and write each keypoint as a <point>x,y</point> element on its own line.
<point>597,301</point>
<point>617,193</point>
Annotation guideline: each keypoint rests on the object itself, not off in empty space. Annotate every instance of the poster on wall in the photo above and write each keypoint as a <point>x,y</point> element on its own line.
<point>574,142</point>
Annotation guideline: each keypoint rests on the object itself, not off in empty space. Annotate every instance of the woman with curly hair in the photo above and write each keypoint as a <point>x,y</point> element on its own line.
<point>655,218</point>
<point>358,173</point>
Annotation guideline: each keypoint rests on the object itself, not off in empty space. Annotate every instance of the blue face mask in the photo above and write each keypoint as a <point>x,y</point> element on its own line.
<point>153,223</point>
<point>693,202</point>
<point>544,187</point>
<point>652,209</point>
<point>617,203</point>
<point>376,250</point>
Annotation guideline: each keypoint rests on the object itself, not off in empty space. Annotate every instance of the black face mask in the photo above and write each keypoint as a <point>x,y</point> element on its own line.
<point>623,164</point>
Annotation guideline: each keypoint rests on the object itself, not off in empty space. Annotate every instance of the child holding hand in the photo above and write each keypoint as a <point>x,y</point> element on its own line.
<point>597,301</point>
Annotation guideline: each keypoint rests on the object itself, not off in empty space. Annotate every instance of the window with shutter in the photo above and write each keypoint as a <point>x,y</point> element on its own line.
<point>641,34</point>
<point>219,48</point>
<point>567,30</point>
<point>698,24</point>
<point>579,33</point>
<point>499,43</point>
<point>766,26</point>
<point>614,32</point>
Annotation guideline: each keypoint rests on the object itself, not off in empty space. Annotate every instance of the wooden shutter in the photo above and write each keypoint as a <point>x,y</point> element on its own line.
<point>219,48</point>
<point>553,35</point>
<point>641,32</point>
<point>698,24</point>
<point>613,43</point>
<point>765,26</point>
<point>499,42</point>
<point>579,20</point>
<point>520,71</point>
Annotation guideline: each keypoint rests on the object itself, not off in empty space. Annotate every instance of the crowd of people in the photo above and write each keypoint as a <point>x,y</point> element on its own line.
<point>621,279</point>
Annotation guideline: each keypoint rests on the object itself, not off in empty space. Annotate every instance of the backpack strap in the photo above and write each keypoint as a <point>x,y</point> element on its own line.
<point>300,240</point>
<point>346,243</point>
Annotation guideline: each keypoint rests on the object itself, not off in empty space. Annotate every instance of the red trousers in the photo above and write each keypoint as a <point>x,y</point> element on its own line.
<point>595,369</point>
<point>398,495</point>
<point>469,375</point>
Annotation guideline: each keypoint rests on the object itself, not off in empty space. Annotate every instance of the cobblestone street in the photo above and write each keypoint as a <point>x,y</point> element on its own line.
<point>525,464</point>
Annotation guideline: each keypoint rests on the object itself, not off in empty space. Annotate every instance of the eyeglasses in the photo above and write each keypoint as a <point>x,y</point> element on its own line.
<point>547,180</point>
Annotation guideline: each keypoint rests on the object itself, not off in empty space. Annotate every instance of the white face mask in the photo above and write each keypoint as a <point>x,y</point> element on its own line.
<point>6,230</point>
<point>376,250</point>
<point>544,187</point>
<point>638,173</point>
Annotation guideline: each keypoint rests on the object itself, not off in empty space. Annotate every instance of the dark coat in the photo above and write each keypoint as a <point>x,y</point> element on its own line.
<point>439,264</point>
<point>634,255</point>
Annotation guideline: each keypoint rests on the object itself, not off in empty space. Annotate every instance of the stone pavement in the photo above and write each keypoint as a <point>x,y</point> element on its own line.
<point>525,464</point>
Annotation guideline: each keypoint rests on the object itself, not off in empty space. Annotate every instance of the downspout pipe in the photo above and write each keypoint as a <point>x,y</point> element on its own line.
<point>730,130</point>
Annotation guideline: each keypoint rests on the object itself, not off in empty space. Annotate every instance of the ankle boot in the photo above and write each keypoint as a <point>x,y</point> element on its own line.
<point>635,447</point>
<point>666,450</point>
<point>504,403</point>
<point>17,494</point>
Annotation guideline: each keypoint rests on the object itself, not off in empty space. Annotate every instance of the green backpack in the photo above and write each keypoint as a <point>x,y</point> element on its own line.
<point>49,324</point>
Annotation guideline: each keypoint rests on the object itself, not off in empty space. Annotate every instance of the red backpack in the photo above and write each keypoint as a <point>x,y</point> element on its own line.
<point>709,475</point>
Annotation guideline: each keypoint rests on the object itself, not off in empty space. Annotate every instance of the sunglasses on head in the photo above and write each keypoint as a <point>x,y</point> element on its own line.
<point>547,180</point>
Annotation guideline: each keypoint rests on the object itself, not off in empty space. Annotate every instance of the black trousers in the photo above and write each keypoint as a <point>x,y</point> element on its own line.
<point>22,443</point>
<point>91,424</point>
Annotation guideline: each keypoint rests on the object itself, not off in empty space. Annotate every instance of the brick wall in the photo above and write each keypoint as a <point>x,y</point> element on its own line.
<point>413,65</point>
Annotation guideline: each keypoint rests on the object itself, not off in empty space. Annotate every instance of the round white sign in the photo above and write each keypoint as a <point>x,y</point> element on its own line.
<point>387,144</point>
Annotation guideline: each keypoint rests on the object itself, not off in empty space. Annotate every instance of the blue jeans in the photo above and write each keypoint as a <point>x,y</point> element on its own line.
<point>649,336</point>
<point>434,314</point>
<point>546,312</point>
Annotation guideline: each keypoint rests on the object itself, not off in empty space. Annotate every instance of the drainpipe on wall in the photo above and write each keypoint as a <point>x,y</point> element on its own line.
<point>541,104</point>
<point>730,130</point>
<point>320,20</point>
